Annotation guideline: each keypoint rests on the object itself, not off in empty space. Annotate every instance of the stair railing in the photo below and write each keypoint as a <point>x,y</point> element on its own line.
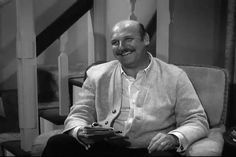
<point>28,48</point>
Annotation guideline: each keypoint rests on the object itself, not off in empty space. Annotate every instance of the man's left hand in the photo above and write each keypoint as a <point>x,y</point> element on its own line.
<point>162,142</point>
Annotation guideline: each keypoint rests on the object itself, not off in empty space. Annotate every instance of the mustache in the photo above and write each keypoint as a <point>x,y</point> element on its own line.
<point>122,51</point>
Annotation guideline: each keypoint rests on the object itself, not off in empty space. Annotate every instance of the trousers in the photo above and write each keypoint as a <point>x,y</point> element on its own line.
<point>66,145</point>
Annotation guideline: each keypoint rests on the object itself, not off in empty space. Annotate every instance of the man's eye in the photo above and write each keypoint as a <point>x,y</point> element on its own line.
<point>115,43</point>
<point>128,39</point>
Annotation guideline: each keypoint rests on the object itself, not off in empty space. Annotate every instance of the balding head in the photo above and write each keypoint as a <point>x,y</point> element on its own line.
<point>130,24</point>
<point>129,41</point>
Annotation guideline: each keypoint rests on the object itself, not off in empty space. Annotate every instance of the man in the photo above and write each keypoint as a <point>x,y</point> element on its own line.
<point>150,102</point>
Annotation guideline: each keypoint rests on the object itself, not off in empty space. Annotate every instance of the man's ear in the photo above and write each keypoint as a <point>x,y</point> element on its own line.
<point>146,39</point>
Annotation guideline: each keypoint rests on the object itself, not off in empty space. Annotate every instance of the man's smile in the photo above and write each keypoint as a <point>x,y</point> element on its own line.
<point>126,53</point>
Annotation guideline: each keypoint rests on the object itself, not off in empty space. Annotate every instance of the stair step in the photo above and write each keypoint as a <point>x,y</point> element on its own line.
<point>52,115</point>
<point>48,80</point>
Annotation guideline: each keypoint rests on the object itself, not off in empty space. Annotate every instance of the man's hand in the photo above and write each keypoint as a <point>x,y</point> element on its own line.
<point>85,139</point>
<point>162,142</point>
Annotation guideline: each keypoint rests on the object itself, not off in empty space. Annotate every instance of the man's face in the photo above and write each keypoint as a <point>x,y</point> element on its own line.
<point>127,45</point>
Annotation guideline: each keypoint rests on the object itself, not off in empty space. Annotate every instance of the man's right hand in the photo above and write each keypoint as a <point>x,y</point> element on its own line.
<point>162,142</point>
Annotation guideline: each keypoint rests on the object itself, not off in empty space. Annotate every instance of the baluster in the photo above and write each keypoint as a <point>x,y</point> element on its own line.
<point>26,73</point>
<point>63,77</point>
<point>132,16</point>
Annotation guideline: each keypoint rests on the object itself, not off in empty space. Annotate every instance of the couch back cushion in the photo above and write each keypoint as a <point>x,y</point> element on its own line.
<point>210,84</point>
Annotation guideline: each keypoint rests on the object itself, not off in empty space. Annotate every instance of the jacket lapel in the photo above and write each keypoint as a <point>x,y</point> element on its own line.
<point>114,96</point>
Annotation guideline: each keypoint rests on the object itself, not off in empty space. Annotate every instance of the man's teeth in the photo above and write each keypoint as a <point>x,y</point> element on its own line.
<point>126,53</point>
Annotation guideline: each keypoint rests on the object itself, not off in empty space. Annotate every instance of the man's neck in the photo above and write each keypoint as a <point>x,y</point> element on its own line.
<point>134,71</point>
<point>131,72</point>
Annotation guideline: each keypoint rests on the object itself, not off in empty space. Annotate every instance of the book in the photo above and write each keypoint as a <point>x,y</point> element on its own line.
<point>95,133</point>
<point>102,132</point>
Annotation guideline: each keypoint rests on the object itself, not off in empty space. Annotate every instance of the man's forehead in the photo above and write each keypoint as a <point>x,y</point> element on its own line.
<point>124,25</point>
<point>123,30</point>
<point>121,26</point>
<point>124,33</point>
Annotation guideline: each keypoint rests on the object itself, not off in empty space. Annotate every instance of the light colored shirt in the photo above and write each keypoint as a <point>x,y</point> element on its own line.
<point>130,109</point>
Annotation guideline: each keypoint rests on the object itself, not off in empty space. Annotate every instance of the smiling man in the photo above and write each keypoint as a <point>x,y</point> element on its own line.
<point>129,41</point>
<point>151,103</point>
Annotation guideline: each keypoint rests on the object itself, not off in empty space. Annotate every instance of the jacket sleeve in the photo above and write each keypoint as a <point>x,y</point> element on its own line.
<point>83,111</point>
<point>191,118</point>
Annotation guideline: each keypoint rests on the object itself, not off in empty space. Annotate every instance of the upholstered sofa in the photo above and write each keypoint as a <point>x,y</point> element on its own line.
<point>211,85</point>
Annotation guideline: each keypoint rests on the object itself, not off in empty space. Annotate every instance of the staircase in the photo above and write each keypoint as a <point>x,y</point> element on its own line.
<point>48,109</point>
<point>47,81</point>
<point>48,98</point>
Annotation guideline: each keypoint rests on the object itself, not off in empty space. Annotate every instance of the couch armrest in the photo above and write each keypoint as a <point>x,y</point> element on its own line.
<point>212,145</point>
<point>41,141</point>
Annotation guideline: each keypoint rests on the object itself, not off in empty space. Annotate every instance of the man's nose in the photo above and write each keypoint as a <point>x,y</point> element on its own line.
<point>121,44</point>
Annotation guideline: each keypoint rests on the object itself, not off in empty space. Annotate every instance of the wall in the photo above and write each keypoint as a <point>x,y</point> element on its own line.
<point>197,32</point>
<point>8,45</point>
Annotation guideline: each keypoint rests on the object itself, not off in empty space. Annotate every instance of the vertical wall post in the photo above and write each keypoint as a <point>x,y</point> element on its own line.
<point>26,73</point>
<point>99,29</point>
<point>230,60</point>
<point>163,25</point>
<point>230,40</point>
<point>132,15</point>
<point>91,52</point>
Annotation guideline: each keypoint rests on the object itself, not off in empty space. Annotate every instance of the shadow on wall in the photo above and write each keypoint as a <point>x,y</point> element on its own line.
<point>10,83</point>
<point>47,85</point>
<point>9,123</point>
<point>151,29</point>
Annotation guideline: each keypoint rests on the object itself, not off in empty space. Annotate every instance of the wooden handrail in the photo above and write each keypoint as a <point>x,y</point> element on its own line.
<point>61,24</point>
